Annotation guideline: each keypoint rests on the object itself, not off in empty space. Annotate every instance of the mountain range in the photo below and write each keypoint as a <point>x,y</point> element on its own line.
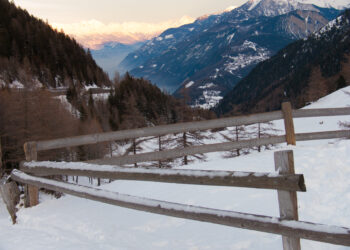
<point>302,72</point>
<point>204,60</point>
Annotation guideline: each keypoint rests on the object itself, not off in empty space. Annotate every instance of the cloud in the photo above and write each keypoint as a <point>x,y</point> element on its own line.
<point>92,33</point>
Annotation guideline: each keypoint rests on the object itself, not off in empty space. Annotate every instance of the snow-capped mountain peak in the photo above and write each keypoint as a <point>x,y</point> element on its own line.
<point>284,6</point>
<point>337,4</point>
<point>276,7</point>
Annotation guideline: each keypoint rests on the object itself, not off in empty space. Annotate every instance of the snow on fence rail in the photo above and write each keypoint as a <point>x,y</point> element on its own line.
<point>290,182</point>
<point>287,228</point>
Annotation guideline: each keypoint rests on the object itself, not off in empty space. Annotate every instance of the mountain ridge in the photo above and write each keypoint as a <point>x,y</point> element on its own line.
<point>195,52</point>
<point>302,72</point>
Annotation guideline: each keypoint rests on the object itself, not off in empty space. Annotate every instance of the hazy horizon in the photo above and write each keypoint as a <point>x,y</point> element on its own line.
<point>125,21</point>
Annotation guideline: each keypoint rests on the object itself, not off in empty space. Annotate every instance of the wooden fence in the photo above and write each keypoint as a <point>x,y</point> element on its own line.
<point>286,182</point>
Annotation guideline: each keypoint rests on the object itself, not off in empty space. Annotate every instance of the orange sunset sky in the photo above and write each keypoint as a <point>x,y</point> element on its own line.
<point>95,22</point>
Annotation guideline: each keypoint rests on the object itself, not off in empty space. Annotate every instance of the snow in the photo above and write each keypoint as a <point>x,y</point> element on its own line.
<point>210,98</point>
<point>92,86</point>
<point>189,84</point>
<point>171,36</point>
<point>278,7</point>
<point>102,168</point>
<point>16,85</point>
<point>337,4</point>
<point>67,105</point>
<point>334,23</point>
<point>100,96</point>
<point>230,37</point>
<point>240,61</point>
<point>76,223</point>
<point>100,193</point>
<point>254,3</point>
<point>207,86</point>
<point>338,99</point>
<point>244,60</point>
<point>216,74</point>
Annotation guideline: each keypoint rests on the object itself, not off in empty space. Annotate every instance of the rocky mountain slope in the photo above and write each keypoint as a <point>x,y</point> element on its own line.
<point>302,72</point>
<point>204,60</point>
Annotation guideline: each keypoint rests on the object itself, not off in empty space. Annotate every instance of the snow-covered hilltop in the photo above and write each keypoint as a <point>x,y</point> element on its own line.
<point>276,7</point>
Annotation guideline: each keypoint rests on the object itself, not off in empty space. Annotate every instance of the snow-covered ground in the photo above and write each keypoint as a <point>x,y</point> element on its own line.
<point>75,223</point>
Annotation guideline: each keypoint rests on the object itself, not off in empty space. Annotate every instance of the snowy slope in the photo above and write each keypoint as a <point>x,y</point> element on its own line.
<point>338,4</point>
<point>74,223</point>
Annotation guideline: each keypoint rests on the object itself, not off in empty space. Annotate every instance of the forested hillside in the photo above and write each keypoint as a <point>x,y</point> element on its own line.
<point>30,115</point>
<point>134,103</point>
<point>302,72</point>
<point>33,53</point>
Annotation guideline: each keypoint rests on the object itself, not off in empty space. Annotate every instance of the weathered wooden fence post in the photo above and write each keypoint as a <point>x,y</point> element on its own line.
<point>287,200</point>
<point>134,150</point>
<point>31,192</point>
<point>237,139</point>
<point>160,149</point>
<point>184,137</point>
<point>1,169</point>
<point>288,123</point>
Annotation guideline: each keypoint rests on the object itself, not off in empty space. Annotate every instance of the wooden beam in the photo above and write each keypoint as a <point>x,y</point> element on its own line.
<point>198,177</point>
<point>177,153</point>
<point>306,230</point>
<point>31,192</point>
<point>157,131</point>
<point>323,135</point>
<point>1,169</point>
<point>288,123</point>
<point>299,113</point>
<point>217,147</point>
<point>287,200</point>
<point>184,127</point>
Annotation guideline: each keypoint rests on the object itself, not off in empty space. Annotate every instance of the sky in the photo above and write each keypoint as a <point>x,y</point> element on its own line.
<point>94,22</point>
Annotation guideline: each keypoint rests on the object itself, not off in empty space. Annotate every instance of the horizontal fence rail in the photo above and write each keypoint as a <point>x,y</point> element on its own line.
<point>157,131</point>
<point>176,153</point>
<point>183,127</point>
<point>216,147</point>
<point>290,182</point>
<point>305,230</point>
<point>323,135</point>
<point>302,113</point>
